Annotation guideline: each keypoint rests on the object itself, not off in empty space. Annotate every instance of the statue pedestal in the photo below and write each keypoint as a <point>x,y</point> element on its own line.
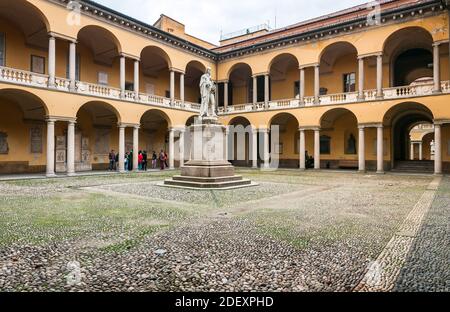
<point>208,167</point>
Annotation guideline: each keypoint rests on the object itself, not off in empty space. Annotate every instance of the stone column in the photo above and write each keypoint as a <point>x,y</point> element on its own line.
<point>50,172</point>
<point>438,149</point>
<point>136,148</point>
<point>266,147</point>
<point>436,69</point>
<point>411,153</point>
<point>121,148</point>
<point>302,150</point>
<point>72,65</point>
<point>254,148</point>
<point>225,150</point>
<point>317,149</point>
<point>51,61</point>
<point>136,79</point>
<point>302,86</point>
<point>255,89</point>
<point>380,94</point>
<point>122,76</point>
<point>361,78</point>
<point>172,86</point>
<point>171,148</point>
<point>182,87</point>
<point>266,90</point>
<point>182,131</point>
<point>225,96</point>
<point>420,151</point>
<point>380,149</point>
<point>71,148</point>
<point>362,150</point>
<point>317,84</point>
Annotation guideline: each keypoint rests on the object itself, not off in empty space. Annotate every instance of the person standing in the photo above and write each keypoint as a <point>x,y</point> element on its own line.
<point>162,159</point>
<point>166,158</point>
<point>112,160</point>
<point>154,160</point>
<point>140,160</point>
<point>144,161</point>
<point>126,161</point>
<point>130,161</point>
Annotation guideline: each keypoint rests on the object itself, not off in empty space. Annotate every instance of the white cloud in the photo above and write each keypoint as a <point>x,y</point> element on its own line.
<point>206,18</point>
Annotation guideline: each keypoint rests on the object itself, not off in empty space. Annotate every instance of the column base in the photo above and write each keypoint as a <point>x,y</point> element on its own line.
<point>379,97</point>
<point>381,172</point>
<point>71,174</point>
<point>50,175</point>
<point>436,92</point>
<point>302,169</point>
<point>437,174</point>
<point>362,171</point>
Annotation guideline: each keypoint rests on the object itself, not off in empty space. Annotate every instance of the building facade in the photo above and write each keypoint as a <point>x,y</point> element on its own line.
<point>354,89</point>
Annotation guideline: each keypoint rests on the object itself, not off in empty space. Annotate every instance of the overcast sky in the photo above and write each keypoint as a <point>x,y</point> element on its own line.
<point>207,18</point>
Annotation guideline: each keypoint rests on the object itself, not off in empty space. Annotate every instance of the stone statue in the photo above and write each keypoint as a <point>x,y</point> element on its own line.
<point>208,94</point>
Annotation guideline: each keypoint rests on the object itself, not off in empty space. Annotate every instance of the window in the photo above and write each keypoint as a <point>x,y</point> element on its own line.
<point>77,66</point>
<point>325,145</point>
<point>129,86</point>
<point>103,78</point>
<point>38,64</point>
<point>2,49</point>
<point>350,82</point>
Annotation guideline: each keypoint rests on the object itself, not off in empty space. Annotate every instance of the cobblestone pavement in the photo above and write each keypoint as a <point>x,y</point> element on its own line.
<point>427,267</point>
<point>313,231</point>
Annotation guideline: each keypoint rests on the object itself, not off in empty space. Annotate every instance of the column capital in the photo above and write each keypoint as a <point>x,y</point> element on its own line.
<point>176,70</point>
<point>441,122</point>
<point>303,66</point>
<point>61,118</point>
<point>130,56</point>
<point>127,125</point>
<point>264,130</point>
<point>311,128</point>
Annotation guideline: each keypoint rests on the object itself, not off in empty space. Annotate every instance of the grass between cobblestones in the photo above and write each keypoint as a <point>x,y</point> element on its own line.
<point>335,223</point>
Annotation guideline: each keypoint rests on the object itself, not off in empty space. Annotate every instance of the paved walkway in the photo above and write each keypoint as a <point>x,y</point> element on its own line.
<point>384,271</point>
<point>30,176</point>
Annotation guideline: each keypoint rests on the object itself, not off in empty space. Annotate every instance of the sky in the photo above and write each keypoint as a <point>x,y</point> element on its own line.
<point>206,19</point>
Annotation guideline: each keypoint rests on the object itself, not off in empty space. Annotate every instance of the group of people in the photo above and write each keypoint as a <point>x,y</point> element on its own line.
<point>143,159</point>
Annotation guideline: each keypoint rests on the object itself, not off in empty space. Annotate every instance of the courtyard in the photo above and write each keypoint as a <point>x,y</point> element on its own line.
<point>294,231</point>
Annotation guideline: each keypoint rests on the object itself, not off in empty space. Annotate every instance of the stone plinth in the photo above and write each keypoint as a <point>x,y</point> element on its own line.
<point>208,167</point>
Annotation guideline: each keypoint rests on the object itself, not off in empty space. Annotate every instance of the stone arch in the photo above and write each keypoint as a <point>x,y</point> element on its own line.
<point>400,118</point>
<point>327,119</point>
<point>284,74</point>
<point>31,21</point>
<point>103,43</point>
<point>239,65</point>
<point>193,72</point>
<point>412,47</point>
<point>152,49</point>
<point>337,46</point>
<point>25,100</point>
<point>240,83</point>
<point>22,132</point>
<point>337,59</point>
<point>102,106</point>
<point>340,125</point>
<point>280,56</point>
